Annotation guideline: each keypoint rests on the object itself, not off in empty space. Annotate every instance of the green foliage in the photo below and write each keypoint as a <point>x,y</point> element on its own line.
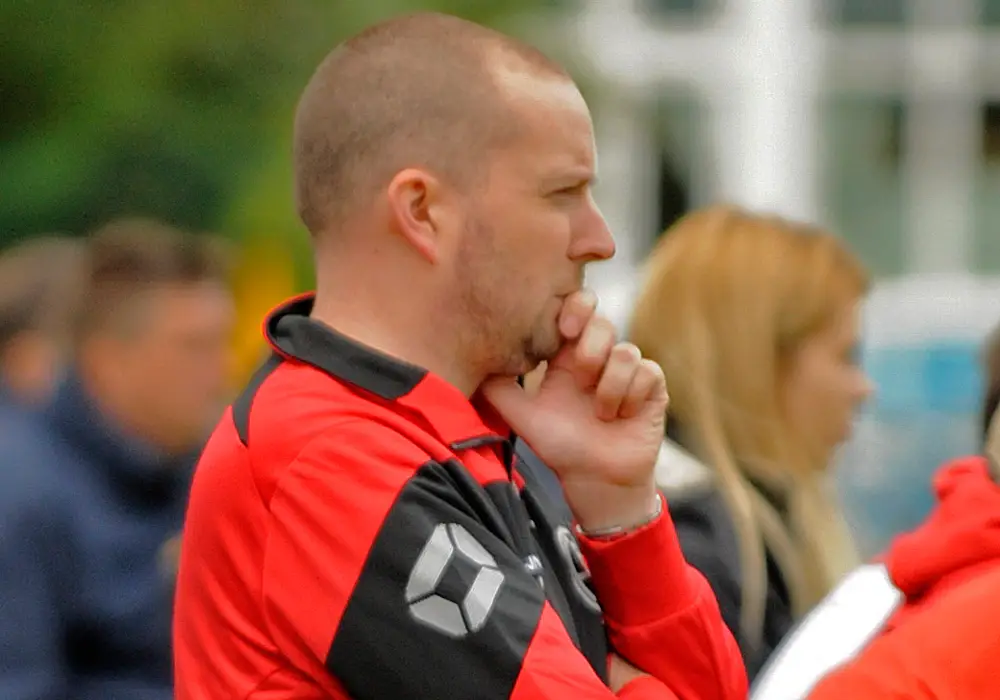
<point>177,109</point>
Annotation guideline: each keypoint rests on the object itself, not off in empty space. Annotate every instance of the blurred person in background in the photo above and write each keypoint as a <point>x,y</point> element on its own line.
<point>93,494</point>
<point>922,621</point>
<point>755,322</point>
<point>40,284</point>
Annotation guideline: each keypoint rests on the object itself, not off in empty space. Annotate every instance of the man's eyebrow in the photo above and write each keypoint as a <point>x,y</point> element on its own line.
<point>573,179</point>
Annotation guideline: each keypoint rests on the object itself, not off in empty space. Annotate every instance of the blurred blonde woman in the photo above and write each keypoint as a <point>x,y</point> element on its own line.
<point>755,321</point>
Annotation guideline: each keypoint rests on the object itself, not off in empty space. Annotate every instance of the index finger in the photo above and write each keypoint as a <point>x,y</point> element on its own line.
<point>576,313</point>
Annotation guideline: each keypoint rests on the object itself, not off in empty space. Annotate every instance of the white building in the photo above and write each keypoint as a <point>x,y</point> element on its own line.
<point>878,118</point>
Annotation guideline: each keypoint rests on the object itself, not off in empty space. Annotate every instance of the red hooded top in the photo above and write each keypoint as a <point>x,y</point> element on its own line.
<point>944,641</point>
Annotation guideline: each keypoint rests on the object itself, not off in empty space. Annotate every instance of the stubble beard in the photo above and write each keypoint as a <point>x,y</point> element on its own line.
<point>542,344</point>
<point>499,340</point>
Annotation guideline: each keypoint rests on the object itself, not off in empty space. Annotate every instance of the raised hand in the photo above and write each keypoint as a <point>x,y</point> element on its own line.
<point>597,419</point>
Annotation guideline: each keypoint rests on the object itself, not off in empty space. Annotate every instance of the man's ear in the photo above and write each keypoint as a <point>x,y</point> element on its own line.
<point>414,198</point>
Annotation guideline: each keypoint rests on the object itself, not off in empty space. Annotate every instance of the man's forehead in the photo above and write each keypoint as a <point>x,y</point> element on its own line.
<point>557,163</point>
<point>557,129</point>
<point>547,103</point>
<point>567,155</point>
<point>519,84</point>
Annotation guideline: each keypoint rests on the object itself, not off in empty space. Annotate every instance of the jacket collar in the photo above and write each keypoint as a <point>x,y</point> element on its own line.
<point>436,404</point>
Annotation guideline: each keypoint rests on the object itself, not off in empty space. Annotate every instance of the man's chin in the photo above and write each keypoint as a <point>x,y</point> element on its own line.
<point>545,347</point>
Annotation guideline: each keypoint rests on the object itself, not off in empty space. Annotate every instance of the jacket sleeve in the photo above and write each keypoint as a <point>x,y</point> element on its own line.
<point>662,616</point>
<point>31,641</point>
<point>392,574</point>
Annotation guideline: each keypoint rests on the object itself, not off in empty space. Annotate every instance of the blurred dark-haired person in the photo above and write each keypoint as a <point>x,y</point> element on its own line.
<point>922,621</point>
<point>40,284</point>
<point>92,494</point>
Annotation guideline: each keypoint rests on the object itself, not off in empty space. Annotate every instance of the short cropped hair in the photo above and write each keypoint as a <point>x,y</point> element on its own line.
<point>41,281</point>
<point>129,257</point>
<point>418,90</point>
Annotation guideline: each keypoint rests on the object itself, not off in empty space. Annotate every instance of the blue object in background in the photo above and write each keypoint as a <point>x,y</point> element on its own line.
<point>922,349</point>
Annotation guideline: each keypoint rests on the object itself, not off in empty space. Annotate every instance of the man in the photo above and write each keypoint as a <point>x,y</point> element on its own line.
<point>357,526</point>
<point>92,495</point>
<point>40,285</point>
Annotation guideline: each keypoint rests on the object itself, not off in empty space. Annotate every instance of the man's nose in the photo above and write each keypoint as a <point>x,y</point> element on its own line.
<point>594,241</point>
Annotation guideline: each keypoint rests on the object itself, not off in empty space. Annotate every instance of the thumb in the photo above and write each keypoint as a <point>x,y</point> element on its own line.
<point>510,400</point>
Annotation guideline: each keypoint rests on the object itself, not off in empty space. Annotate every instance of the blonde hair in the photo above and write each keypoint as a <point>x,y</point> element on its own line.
<point>729,296</point>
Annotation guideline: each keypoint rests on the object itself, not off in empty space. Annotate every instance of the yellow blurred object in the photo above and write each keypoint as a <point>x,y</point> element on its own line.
<point>263,277</point>
<point>169,557</point>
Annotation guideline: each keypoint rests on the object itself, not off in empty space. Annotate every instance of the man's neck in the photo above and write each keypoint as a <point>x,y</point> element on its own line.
<point>397,329</point>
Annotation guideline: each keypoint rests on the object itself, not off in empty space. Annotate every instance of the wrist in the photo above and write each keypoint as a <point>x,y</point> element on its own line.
<point>625,528</point>
<point>600,507</point>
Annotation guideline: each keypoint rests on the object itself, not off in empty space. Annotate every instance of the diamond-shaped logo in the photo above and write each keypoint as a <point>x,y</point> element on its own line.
<point>454,583</point>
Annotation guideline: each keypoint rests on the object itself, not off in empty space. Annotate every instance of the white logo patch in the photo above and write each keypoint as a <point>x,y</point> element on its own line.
<point>445,603</point>
<point>569,550</point>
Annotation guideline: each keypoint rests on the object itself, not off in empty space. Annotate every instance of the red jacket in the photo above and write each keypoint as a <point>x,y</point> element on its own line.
<point>358,530</point>
<point>944,642</point>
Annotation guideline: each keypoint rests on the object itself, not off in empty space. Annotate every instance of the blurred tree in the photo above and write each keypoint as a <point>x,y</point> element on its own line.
<point>180,110</point>
<point>169,109</point>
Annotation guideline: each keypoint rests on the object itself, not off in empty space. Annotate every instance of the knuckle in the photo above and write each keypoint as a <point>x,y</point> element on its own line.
<point>600,324</point>
<point>653,369</point>
<point>587,299</point>
<point>583,305</point>
<point>627,353</point>
<point>615,378</point>
<point>584,298</point>
<point>597,344</point>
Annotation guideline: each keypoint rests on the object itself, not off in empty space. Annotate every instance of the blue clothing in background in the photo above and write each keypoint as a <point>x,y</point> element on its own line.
<point>86,515</point>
